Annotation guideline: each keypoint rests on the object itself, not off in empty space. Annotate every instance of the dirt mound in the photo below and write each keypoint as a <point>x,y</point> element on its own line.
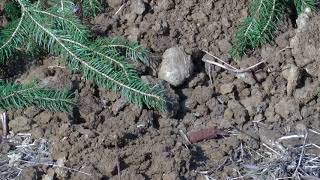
<point>106,132</point>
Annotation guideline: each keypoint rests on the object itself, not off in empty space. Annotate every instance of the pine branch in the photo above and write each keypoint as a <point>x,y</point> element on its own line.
<point>11,37</point>
<point>131,50</point>
<point>12,10</point>
<point>103,65</point>
<point>91,7</point>
<point>301,5</point>
<point>258,28</point>
<point>21,96</point>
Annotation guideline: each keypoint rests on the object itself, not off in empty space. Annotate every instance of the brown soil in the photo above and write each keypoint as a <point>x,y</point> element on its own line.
<point>147,143</point>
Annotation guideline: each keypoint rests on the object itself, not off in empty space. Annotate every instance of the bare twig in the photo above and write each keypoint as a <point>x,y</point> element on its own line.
<point>118,157</point>
<point>301,155</point>
<point>53,165</point>
<point>184,136</point>
<point>229,67</point>
<point>4,122</point>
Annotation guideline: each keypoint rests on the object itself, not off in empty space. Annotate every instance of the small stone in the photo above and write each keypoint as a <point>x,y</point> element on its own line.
<point>20,124</point>
<point>138,7</point>
<point>226,88</point>
<point>176,66</point>
<point>291,73</point>
<point>303,20</point>
<point>228,114</point>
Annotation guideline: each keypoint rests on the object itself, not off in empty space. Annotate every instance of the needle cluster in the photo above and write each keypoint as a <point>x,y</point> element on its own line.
<point>258,28</point>
<point>53,27</point>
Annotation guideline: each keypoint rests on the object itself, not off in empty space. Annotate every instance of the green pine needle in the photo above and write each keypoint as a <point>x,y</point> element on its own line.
<point>132,50</point>
<point>301,5</point>
<point>103,61</point>
<point>258,28</point>
<point>21,96</point>
<point>91,7</point>
<point>12,10</point>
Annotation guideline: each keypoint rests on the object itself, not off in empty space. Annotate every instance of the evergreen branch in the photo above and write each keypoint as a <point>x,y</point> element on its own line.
<point>112,57</point>
<point>21,96</point>
<point>13,37</point>
<point>67,22</point>
<point>12,10</point>
<point>258,28</point>
<point>132,50</point>
<point>301,5</point>
<point>103,73</point>
<point>91,7</point>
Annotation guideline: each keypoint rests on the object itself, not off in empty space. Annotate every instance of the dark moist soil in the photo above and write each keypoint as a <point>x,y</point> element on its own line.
<point>147,143</point>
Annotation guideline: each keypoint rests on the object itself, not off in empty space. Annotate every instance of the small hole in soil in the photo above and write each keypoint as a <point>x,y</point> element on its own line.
<point>293,14</point>
<point>76,117</point>
<point>305,78</point>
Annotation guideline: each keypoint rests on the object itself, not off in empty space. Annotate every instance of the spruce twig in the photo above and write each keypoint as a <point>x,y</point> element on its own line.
<point>21,96</point>
<point>258,28</point>
<point>103,61</point>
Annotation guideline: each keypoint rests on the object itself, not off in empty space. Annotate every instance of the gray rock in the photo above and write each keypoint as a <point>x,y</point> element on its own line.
<point>20,124</point>
<point>138,7</point>
<point>176,66</point>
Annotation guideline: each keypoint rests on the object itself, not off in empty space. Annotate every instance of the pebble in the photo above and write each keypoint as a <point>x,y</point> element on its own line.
<point>228,114</point>
<point>176,66</point>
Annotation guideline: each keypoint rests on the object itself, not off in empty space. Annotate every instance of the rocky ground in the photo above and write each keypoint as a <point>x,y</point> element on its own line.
<point>255,108</point>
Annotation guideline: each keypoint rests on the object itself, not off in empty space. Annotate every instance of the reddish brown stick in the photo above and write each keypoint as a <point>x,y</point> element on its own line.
<point>204,134</point>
